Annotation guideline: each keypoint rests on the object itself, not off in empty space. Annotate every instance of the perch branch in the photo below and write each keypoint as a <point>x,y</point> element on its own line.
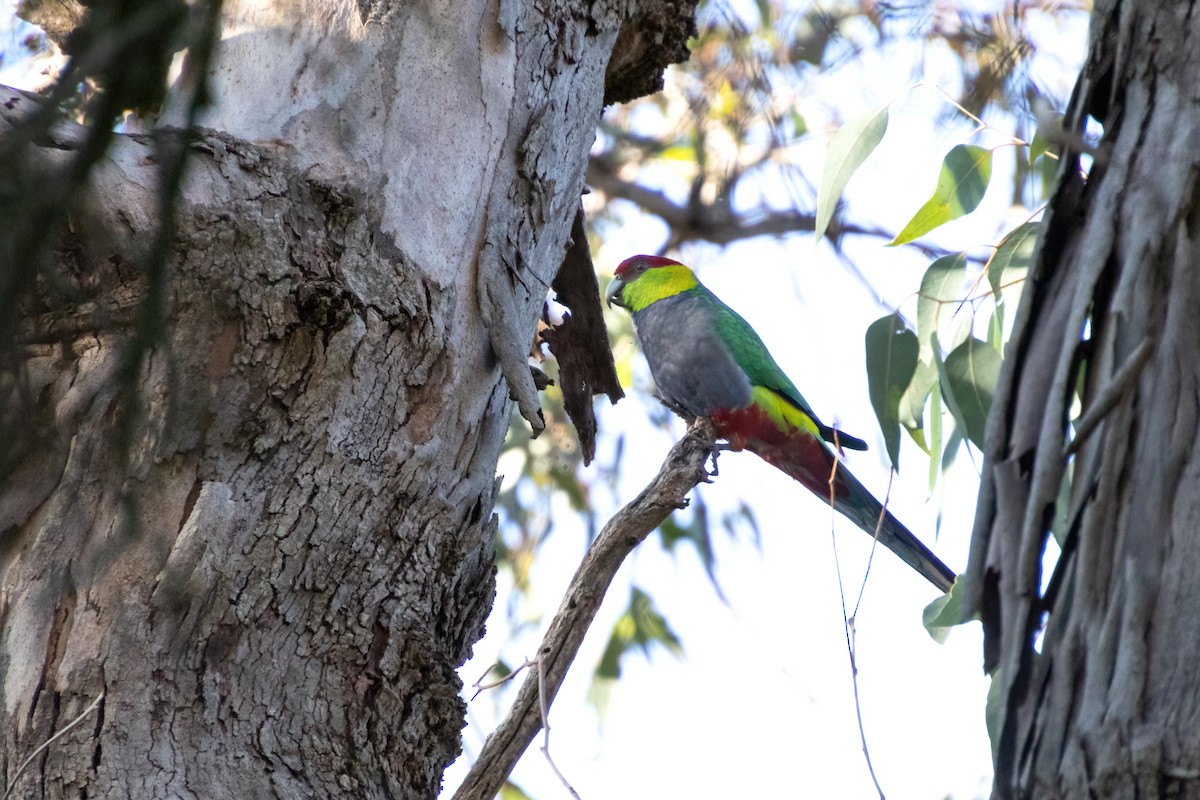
<point>682,470</point>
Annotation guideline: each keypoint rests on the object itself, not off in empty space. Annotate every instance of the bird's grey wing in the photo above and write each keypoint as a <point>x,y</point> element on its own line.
<point>692,366</point>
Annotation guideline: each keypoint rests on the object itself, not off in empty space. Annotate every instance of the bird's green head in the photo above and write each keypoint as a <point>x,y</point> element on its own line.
<point>642,280</point>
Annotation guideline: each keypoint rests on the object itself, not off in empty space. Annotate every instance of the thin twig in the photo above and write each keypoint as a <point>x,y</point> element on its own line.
<point>479,686</point>
<point>682,470</point>
<point>874,543</point>
<point>29,760</point>
<point>982,125</point>
<point>851,638</point>
<point>848,621</point>
<point>545,748</point>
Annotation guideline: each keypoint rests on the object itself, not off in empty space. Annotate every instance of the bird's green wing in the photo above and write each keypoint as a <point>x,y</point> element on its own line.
<point>760,368</point>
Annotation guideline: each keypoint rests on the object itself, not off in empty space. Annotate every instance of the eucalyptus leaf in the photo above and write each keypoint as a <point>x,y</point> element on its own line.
<point>851,146</point>
<point>962,183</point>
<point>1011,261</point>
<point>1049,130</point>
<point>944,613</point>
<point>891,361</point>
<point>973,370</point>
<point>940,295</point>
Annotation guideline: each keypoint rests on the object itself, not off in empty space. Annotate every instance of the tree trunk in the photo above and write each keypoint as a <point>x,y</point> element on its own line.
<point>271,587</point>
<point>1107,703</point>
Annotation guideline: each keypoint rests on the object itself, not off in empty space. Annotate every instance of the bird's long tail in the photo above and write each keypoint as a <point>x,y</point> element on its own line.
<point>810,462</point>
<point>861,507</point>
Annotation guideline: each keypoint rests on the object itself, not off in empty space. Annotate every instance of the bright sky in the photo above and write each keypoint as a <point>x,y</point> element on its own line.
<point>761,703</point>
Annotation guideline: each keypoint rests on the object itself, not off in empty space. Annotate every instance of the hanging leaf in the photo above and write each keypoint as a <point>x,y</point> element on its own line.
<point>940,295</point>
<point>1049,130</point>
<point>891,361</point>
<point>962,183</point>
<point>995,328</point>
<point>944,613</point>
<point>1013,257</point>
<point>850,147</point>
<point>947,393</point>
<point>973,370</point>
<point>696,532</point>
<point>912,402</point>
<point>953,445</point>
<point>993,708</point>
<point>640,626</point>
<point>935,431</point>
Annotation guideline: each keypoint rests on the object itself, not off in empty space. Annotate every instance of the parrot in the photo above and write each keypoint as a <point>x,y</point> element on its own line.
<point>708,362</point>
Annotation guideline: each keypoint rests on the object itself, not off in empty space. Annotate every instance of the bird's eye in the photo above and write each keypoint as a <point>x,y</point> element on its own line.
<point>642,267</point>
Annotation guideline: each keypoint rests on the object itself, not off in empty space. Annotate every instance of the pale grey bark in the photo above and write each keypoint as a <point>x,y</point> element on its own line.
<point>277,590</point>
<point>274,592</point>
<point>1108,703</point>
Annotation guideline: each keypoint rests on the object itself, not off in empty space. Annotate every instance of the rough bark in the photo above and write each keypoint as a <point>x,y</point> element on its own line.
<point>1108,703</point>
<point>276,590</point>
<point>273,587</point>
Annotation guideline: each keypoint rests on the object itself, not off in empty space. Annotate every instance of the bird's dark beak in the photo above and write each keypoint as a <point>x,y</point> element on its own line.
<point>613,295</point>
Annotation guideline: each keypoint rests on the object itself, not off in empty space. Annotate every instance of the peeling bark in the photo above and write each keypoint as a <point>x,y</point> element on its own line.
<point>580,343</point>
<point>1108,705</point>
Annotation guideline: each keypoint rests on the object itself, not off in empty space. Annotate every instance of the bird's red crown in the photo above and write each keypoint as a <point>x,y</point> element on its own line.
<point>629,265</point>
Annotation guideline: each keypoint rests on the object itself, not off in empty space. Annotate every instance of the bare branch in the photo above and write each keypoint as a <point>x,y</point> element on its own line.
<point>682,470</point>
<point>715,222</point>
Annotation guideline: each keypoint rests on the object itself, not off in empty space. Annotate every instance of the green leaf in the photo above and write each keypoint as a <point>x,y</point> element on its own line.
<point>799,124</point>
<point>944,613</point>
<point>510,791</point>
<point>962,183</point>
<point>947,392</point>
<point>995,328</point>
<point>851,146</point>
<point>679,152</point>
<point>641,626</point>
<point>1049,130</point>
<point>973,370</point>
<point>993,707</point>
<point>953,444</point>
<point>940,295</point>
<point>891,361</point>
<point>912,402</point>
<point>1013,257</point>
<point>935,431</point>
<point>650,627</point>
<point>698,533</point>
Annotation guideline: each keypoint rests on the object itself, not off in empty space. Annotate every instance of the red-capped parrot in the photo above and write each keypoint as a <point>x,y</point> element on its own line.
<point>708,362</point>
